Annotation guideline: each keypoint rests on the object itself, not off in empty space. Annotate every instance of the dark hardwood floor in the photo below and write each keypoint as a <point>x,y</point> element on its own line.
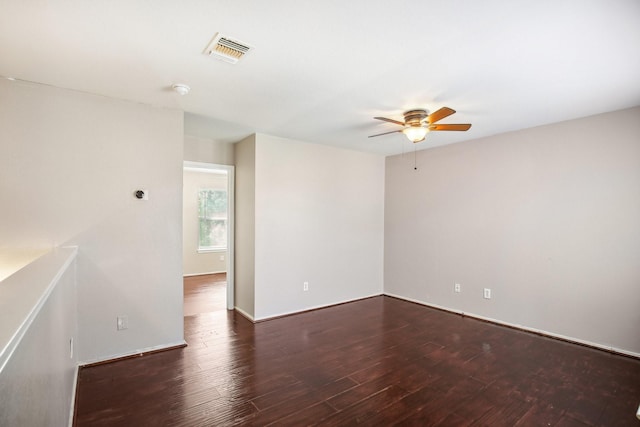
<point>375,362</point>
<point>205,294</point>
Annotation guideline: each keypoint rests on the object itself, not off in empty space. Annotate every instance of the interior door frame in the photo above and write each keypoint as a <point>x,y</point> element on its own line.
<point>230,261</point>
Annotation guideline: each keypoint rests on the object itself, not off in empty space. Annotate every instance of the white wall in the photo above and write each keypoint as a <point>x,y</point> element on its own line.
<point>37,367</point>
<point>245,152</point>
<point>548,218</point>
<point>195,263</point>
<point>69,163</point>
<point>318,218</point>
<point>14,258</point>
<point>205,150</point>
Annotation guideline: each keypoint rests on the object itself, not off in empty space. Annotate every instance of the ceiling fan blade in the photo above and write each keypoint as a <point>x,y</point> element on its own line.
<point>440,114</point>
<point>386,133</point>
<point>450,127</point>
<point>384,119</point>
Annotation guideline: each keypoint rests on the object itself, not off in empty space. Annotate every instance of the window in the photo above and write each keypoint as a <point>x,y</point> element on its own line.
<point>212,218</point>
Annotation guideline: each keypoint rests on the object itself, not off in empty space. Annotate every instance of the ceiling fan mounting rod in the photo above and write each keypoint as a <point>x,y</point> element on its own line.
<point>415,117</point>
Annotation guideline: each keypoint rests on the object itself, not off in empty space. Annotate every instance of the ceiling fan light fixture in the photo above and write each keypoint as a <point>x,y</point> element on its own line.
<point>415,133</point>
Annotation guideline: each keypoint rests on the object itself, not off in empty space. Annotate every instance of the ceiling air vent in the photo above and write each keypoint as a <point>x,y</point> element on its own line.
<point>226,49</point>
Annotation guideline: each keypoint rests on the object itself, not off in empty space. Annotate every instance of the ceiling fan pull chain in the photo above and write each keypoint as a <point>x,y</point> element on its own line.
<point>415,154</point>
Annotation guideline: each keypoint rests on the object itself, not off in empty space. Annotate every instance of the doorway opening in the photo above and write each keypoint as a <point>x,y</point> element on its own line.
<point>208,226</point>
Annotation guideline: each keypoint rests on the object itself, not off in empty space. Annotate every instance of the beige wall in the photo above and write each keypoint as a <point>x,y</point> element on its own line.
<point>205,150</point>
<point>245,217</point>
<point>318,219</point>
<point>69,164</point>
<point>195,263</point>
<point>548,218</point>
<point>306,213</point>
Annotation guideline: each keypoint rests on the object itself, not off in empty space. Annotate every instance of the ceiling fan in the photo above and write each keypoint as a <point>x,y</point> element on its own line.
<point>418,122</point>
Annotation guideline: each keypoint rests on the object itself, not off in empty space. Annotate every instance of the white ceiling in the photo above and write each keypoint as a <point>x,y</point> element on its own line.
<point>320,70</point>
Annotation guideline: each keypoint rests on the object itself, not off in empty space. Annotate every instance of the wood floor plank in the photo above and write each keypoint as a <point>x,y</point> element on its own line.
<point>365,409</point>
<point>376,362</point>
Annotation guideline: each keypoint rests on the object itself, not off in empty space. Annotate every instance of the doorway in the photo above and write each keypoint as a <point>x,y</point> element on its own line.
<point>208,222</point>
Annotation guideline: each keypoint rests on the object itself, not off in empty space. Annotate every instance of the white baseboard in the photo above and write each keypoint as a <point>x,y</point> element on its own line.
<point>315,307</point>
<point>135,353</point>
<point>245,314</point>
<point>521,327</point>
<point>203,274</point>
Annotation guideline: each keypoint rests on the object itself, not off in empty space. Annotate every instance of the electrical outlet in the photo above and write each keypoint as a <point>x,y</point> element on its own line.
<point>456,287</point>
<point>305,286</point>
<point>122,322</point>
<point>221,257</point>
<point>487,293</point>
